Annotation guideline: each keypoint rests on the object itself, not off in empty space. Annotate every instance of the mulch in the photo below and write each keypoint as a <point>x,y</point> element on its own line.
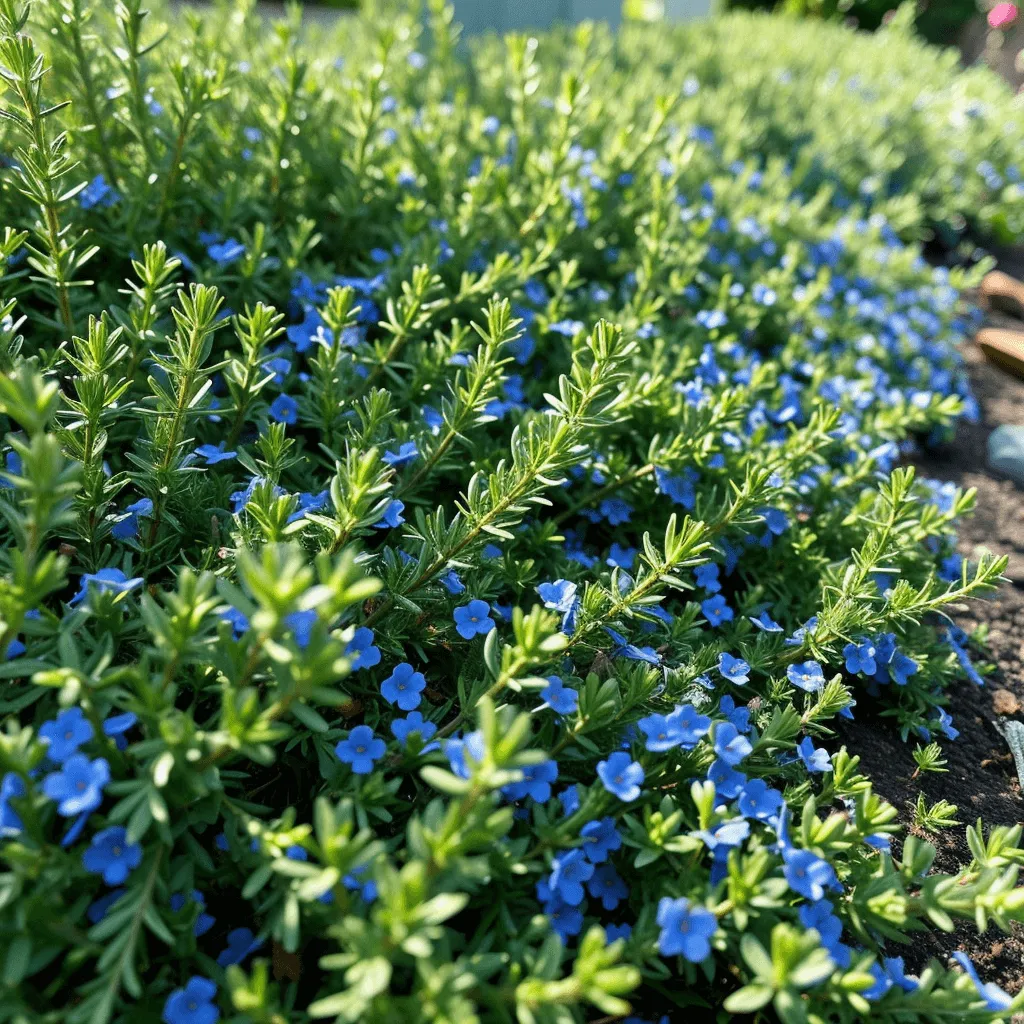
<point>981,778</point>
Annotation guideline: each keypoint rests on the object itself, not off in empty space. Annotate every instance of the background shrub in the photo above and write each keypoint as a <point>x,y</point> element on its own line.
<point>449,501</point>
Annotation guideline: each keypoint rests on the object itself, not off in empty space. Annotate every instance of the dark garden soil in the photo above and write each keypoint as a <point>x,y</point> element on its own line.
<point>981,778</point>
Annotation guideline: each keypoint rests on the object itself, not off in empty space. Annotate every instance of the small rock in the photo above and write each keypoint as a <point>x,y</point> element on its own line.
<point>1006,451</point>
<point>1005,703</point>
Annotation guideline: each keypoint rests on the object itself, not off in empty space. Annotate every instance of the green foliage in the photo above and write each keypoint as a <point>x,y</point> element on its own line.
<point>447,526</point>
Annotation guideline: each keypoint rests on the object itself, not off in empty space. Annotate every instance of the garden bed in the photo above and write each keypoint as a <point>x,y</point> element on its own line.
<point>982,778</point>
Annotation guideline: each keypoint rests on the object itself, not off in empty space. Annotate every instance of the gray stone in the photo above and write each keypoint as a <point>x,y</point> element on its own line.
<point>1006,452</point>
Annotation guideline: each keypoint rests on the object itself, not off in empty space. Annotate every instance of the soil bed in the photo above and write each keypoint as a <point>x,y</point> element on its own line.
<point>981,778</point>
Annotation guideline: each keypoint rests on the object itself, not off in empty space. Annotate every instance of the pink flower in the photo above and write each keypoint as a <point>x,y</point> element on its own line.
<point>1002,15</point>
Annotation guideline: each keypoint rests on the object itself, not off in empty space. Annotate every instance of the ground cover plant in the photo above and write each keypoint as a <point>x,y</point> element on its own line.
<point>449,501</point>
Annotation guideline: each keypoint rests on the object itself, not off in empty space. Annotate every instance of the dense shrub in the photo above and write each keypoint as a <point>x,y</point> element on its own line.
<point>448,504</point>
<point>939,21</point>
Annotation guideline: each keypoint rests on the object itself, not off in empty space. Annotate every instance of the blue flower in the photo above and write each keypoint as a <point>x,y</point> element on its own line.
<point>407,452</point>
<point>360,750</point>
<point>392,516</point>
<point>679,488</point>
<point>361,649</point>
<point>451,582</point>
<point>775,520</point>
<point>65,734</point>
<point>566,919</point>
<point>78,786</point>
<point>607,886</point>
<point>716,611</point>
<point>600,838</point>
<point>995,998</point>
<point>736,670</point>
<point>740,717</point>
<point>192,1004</point>
<point>727,835</point>
<point>758,800</point>
<point>684,931</point>
<point>128,527</point>
<point>241,942</point>
<point>226,252</point>
<point>403,728</point>
<point>860,658</point>
<point>11,786</point>
<point>730,744</point>
<point>106,581</point>
<point>901,668</point>
<point>627,650</point>
<point>807,676</point>
<point>457,751</point>
<point>894,969</point>
<point>535,783</point>
<point>562,699</point>
<point>215,453</point>
<point>728,782</point>
<point>284,409</point>
<point>204,921</point>
<point>560,596</point>
<point>766,623</point>
<point>882,984</point>
<point>621,558</point>
<point>569,871</point>
<point>614,932</point>
<point>621,775</point>
<point>239,623</point>
<point>403,687</point>
<point>616,511</point>
<point>707,577</point>
<point>807,874</point>
<point>301,625</point>
<point>946,724</point>
<point>473,619</point>
<point>815,760</point>
<point>99,192</point>
<point>112,856</point>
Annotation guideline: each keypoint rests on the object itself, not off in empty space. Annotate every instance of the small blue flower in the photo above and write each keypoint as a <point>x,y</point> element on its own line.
<point>226,252</point>
<point>807,874</point>
<point>473,619</point>
<point>685,931</point>
<point>301,625</point>
<point>458,750</point>
<point>946,724</point>
<point>621,776</point>
<point>392,516</point>
<point>128,527</point>
<point>403,687</point>
<point>600,838</point>
<point>860,658</point>
<point>361,649</point>
<point>627,650</point>
<point>403,728</point>
<point>98,193</point>
<point>360,749</point>
<point>407,452</point>
<point>112,856</point>
<point>192,1004</point>
<point>65,734</point>
<point>78,785</point>
<point>451,582</point>
<point>807,676</point>
<point>716,611</point>
<point>607,886</point>
<point>901,668</point>
<point>616,511</point>
<point>730,744</point>
<point>679,488</point>
<point>204,922</point>
<point>815,760</point>
<point>569,871</point>
<point>535,783</point>
<point>12,786</point>
<point>995,998</point>
<point>106,581</point>
<point>740,717</point>
<point>562,699</point>
<point>284,409</point>
<point>560,596</point>
<point>758,800</point>
<point>736,670</point>
<point>241,942</point>
<point>707,577</point>
<point>766,623</point>
<point>215,453</point>
<point>728,782</point>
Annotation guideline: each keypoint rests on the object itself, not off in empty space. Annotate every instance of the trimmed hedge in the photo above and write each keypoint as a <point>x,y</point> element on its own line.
<point>450,499</point>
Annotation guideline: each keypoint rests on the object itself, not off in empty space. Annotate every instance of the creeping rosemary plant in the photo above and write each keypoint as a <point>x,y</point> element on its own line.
<point>452,493</point>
